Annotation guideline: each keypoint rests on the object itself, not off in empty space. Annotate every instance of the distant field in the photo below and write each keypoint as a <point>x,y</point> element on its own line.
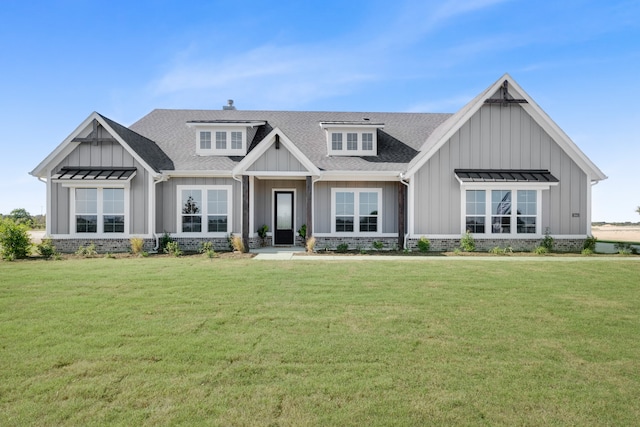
<point>192,341</point>
<point>618,233</point>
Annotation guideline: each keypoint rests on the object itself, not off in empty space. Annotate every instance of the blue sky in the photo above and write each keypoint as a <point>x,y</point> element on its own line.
<point>61,60</point>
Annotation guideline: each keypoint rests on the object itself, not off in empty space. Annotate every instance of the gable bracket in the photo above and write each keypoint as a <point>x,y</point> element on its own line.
<point>506,97</point>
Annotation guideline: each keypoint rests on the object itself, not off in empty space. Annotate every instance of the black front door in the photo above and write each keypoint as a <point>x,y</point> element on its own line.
<point>283,234</point>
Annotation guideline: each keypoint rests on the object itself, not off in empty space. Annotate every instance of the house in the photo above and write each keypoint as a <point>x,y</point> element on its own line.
<point>499,168</point>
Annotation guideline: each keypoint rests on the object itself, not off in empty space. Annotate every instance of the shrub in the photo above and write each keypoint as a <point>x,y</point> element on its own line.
<point>342,248</point>
<point>377,245</point>
<point>547,241</point>
<point>424,244</point>
<point>303,231</point>
<point>236,243</point>
<point>262,231</point>
<point>137,245</point>
<point>501,251</point>
<point>587,251</point>
<point>164,240</point>
<point>14,240</point>
<point>625,249</point>
<point>590,243</point>
<point>311,244</point>
<point>173,248</point>
<point>467,243</point>
<point>46,249</point>
<point>88,251</point>
<point>541,250</point>
<point>206,248</point>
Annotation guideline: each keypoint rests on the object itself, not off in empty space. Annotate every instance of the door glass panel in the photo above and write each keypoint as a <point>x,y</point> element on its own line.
<point>284,218</point>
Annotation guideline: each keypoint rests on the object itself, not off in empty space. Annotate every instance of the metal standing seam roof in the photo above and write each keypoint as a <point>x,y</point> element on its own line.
<point>505,175</point>
<point>92,174</point>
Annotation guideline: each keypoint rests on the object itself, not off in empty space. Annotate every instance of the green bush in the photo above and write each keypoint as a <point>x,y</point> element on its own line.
<point>342,248</point>
<point>377,245</point>
<point>467,243</point>
<point>587,251</point>
<point>303,231</point>
<point>262,231</point>
<point>206,248</point>
<point>46,249</point>
<point>590,243</point>
<point>14,240</point>
<point>547,241</point>
<point>541,250</point>
<point>173,248</point>
<point>164,240</point>
<point>424,244</point>
<point>88,251</point>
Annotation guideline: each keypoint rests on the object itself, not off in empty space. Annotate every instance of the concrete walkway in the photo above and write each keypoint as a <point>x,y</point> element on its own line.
<point>276,252</point>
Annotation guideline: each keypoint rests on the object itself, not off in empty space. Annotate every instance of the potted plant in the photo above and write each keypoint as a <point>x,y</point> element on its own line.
<point>262,232</point>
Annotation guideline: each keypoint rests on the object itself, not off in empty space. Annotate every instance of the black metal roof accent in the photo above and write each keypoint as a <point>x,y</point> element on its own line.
<point>506,97</point>
<point>505,175</point>
<point>93,173</point>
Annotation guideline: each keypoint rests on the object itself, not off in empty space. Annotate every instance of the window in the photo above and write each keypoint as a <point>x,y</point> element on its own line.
<point>352,141</point>
<point>236,140</point>
<point>99,210</point>
<point>336,141</point>
<point>205,140</point>
<point>475,217</point>
<point>356,210</point>
<point>367,141</point>
<point>221,140</point>
<point>204,209</point>
<point>500,212</point>
<point>357,140</point>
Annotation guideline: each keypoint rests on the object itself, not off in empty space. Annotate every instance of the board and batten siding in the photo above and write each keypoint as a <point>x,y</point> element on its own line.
<point>167,201</point>
<point>277,160</point>
<point>322,203</point>
<point>263,201</point>
<point>498,137</point>
<point>103,154</point>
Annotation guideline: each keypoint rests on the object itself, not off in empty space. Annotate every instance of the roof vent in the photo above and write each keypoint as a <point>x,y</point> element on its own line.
<point>229,105</point>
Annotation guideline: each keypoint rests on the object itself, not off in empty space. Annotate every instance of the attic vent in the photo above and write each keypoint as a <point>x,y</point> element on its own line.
<point>229,105</point>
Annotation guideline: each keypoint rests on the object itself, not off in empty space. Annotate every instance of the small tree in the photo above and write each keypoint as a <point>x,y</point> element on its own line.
<point>21,216</point>
<point>14,240</point>
<point>638,210</point>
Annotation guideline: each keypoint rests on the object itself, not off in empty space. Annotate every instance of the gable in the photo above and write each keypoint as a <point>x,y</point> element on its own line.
<point>276,154</point>
<point>502,98</point>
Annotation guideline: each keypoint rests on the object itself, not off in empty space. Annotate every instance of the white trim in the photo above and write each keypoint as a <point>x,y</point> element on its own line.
<point>247,124</point>
<point>344,130</point>
<point>356,212</point>
<point>197,174</point>
<point>99,212</point>
<point>92,236</point>
<point>263,146</point>
<point>203,188</point>
<point>273,211</point>
<point>271,174</point>
<point>589,207</point>
<point>345,125</point>
<point>514,215</point>
<point>360,176</point>
<point>228,151</point>
<point>49,211</point>
<point>411,206</point>
<point>363,235</point>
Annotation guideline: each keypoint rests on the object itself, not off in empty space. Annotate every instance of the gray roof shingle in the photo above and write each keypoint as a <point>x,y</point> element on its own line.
<point>398,142</point>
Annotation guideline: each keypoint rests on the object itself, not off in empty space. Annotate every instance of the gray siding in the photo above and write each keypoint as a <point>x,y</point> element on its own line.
<point>499,137</point>
<point>105,154</point>
<point>167,201</point>
<point>280,160</point>
<point>322,203</point>
<point>263,201</point>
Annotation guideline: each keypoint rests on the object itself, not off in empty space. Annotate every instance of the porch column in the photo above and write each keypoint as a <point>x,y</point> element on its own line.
<point>245,212</point>
<point>309,208</point>
<point>402,199</point>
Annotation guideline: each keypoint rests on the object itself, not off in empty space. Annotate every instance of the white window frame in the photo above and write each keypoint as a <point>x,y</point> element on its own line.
<point>488,187</point>
<point>100,186</point>
<point>356,212</point>
<point>205,213</point>
<point>359,131</point>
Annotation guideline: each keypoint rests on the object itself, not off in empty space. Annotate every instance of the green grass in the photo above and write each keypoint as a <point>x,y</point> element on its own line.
<point>186,341</point>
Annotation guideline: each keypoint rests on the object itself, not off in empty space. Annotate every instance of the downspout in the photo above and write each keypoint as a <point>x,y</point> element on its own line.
<point>156,181</point>
<point>406,184</point>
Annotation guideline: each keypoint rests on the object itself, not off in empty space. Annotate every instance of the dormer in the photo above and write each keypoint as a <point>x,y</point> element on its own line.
<point>222,138</point>
<point>359,138</point>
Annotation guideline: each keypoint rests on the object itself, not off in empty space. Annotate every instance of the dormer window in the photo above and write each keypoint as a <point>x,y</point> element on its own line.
<point>222,138</point>
<point>352,138</point>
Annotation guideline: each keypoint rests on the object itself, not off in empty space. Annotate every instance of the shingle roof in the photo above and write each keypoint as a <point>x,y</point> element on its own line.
<point>398,142</point>
<point>147,149</point>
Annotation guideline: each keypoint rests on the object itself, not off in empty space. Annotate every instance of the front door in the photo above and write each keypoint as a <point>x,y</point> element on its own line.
<point>283,233</point>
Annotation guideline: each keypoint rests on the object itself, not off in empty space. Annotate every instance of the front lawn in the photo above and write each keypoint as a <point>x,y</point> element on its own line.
<point>192,341</point>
